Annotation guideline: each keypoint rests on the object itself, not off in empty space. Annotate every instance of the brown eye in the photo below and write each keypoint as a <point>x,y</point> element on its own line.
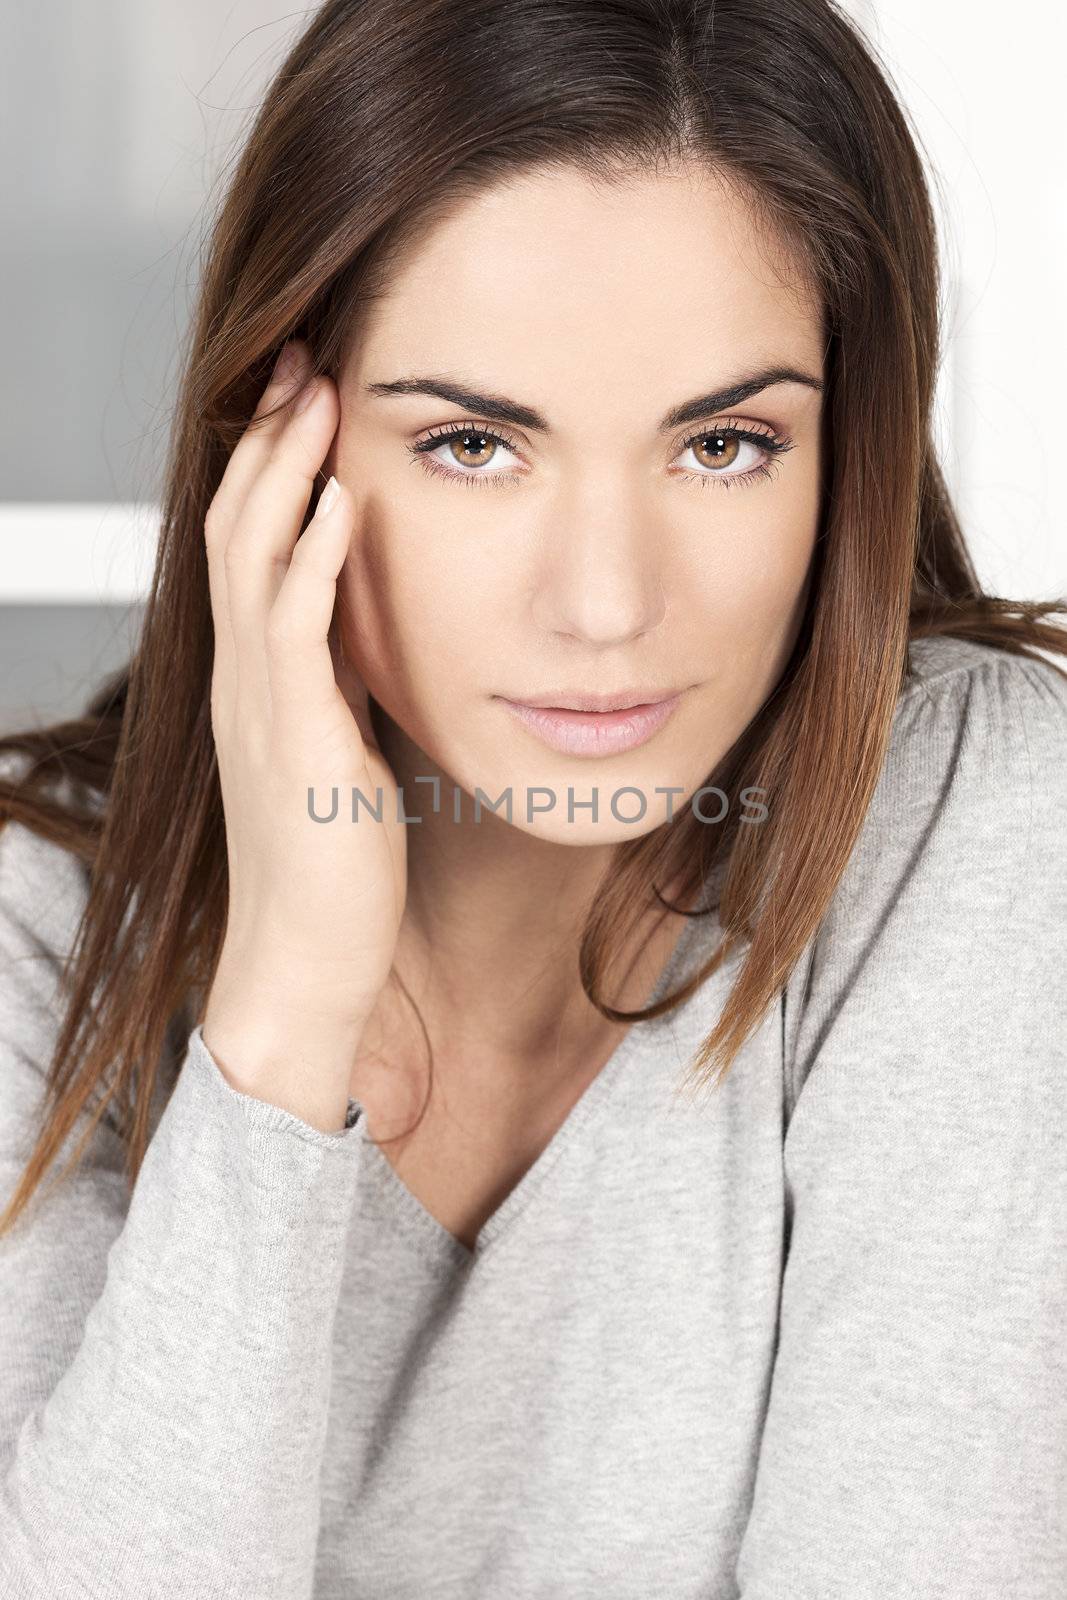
<point>471,449</point>
<point>722,451</point>
<point>462,450</point>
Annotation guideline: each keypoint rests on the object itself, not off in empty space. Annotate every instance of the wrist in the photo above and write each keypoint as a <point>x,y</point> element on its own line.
<point>289,998</point>
<point>279,1046</point>
<point>304,1068</point>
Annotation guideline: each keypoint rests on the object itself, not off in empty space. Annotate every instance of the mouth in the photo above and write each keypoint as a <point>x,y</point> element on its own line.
<point>579,731</point>
<point>624,700</point>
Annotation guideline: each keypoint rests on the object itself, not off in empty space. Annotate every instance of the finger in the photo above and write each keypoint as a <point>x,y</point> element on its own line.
<point>275,409</point>
<point>261,546</point>
<point>300,662</point>
<point>236,480</point>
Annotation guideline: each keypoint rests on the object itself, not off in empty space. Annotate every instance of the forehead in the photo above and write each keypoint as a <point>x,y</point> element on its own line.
<point>551,275</point>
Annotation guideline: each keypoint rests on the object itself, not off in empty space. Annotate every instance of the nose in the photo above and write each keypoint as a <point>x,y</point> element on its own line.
<point>600,579</point>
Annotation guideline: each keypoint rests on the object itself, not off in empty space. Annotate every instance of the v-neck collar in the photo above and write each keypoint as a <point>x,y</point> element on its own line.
<point>401,1208</point>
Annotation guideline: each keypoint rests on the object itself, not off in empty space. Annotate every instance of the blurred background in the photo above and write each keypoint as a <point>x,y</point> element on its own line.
<point>119,122</point>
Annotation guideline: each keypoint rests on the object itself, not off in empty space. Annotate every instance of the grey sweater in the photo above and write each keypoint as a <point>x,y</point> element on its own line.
<point>804,1338</point>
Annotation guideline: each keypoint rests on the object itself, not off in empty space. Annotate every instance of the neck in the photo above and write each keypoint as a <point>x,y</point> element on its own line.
<point>488,946</point>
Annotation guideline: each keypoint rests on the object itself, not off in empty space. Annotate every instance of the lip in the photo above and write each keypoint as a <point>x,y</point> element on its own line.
<point>594,733</point>
<point>625,700</point>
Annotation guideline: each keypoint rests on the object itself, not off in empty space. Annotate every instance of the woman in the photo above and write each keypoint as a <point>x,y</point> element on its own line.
<point>389,1258</point>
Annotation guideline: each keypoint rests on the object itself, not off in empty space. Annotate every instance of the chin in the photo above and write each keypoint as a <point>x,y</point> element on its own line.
<point>557,806</point>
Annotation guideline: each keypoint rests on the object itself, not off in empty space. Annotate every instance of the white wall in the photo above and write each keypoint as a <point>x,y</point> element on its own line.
<point>984,88</point>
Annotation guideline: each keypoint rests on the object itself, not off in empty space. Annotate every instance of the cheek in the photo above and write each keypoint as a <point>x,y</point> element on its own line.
<point>746,569</point>
<point>743,595</point>
<point>409,602</point>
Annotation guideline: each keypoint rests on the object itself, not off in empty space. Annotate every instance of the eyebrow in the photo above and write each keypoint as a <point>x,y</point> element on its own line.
<point>499,408</point>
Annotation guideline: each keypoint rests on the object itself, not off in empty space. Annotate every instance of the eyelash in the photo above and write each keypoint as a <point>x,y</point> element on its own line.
<point>775,444</point>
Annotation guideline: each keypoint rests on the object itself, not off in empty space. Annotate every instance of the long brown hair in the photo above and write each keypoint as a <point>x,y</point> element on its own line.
<point>379,104</point>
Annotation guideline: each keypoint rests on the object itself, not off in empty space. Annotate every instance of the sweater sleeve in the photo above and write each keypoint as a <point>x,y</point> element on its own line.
<point>165,1358</point>
<point>915,1440</point>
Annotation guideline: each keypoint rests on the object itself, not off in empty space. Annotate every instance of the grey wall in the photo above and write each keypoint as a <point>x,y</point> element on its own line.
<point>116,119</point>
<point>53,657</point>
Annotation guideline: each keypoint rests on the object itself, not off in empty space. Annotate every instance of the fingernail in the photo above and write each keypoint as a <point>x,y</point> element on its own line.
<point>328,497</point>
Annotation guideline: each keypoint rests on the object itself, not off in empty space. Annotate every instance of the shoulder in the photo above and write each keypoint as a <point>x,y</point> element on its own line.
<point>970,810</point>
<point>44,896</point>
<point>44,889</point>
<point>951,913</point>
<point>963,686</point>
<point>977,760</point>
<point>923,1296</point>
<point>43,886</point>
<point>947,676</point>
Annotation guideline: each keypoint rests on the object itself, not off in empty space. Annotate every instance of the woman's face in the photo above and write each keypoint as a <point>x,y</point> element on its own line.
<point>593,542</point>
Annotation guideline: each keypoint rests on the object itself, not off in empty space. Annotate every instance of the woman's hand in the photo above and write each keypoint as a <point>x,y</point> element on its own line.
<point>314,907</point>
